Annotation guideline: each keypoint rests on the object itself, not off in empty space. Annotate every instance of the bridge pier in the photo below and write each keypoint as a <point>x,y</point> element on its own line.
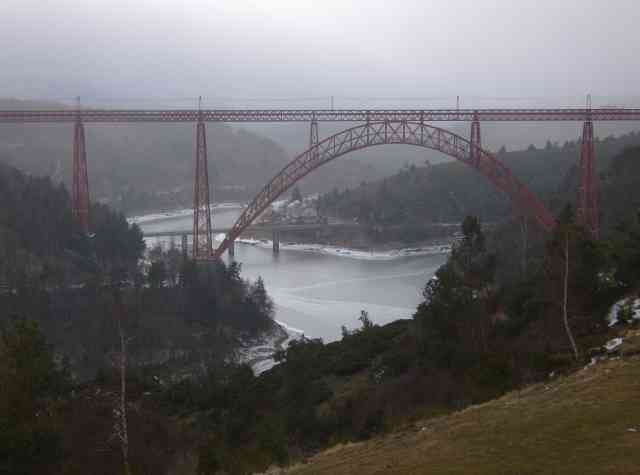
<point>476,142</point>
<point>232,249</point>
<point>276,241</point>
<point>80,185</point>
<point>588,212</point>
<point>202,245</point>
<point>185,243</point>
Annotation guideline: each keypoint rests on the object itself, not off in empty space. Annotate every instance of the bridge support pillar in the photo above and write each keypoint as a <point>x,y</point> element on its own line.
<point>476,142</point>
<point>80,185</point>
<point>184,245</point>
<point>202,245</point>
<point>588,212</point>
<point>276,241</point>
<point>313,137</point>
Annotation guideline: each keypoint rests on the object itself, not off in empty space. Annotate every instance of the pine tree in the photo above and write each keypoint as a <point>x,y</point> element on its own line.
<point>258,295</point>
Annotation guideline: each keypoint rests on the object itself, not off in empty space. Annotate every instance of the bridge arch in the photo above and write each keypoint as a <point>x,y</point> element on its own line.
<point>385,133</point>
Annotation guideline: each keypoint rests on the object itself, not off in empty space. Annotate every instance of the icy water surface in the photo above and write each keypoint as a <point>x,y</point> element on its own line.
<point>317,292</point>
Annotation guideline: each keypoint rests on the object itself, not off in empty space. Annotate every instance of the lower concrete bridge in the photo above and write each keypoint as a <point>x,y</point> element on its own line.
<point>274,229</point>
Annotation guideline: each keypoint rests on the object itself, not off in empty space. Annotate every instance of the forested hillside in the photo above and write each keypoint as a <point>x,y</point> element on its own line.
<point>37,239</point>
<point>178,314</point>
<point>82,316</point>
<point>447,192</point>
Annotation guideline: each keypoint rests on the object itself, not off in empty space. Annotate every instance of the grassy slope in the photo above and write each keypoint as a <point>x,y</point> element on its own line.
<point>575,425</point>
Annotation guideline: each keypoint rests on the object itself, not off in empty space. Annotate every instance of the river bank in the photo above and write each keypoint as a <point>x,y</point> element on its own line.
<point>319,287</point>
<point>379,253</point>
<point>363,238</point>
<point>351,242</point>
<point>259,353</point>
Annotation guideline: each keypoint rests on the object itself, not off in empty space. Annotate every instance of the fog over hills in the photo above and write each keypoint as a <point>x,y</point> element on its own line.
<point>303,54</point>
<point>140,167</point>
<point>150,166</point>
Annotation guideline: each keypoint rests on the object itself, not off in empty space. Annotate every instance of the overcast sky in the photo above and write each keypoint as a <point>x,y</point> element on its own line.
<point>237,52</point>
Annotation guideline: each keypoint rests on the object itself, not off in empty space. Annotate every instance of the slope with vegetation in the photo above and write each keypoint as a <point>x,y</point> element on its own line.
<point>75,284</point>
<point>81,315</point>
<point>496,317</point>
<point>507,310</point>
<point>401,207</point>
<point>584,423</point>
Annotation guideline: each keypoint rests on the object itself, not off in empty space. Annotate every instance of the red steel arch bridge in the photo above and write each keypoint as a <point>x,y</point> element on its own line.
<point>376,127</point>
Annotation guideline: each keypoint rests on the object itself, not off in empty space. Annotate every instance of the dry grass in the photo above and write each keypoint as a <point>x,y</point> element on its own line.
<point>586,423</point>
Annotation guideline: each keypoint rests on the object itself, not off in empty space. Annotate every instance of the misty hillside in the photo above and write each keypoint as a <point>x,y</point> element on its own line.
<point>137,167</point>
<point>450,191</point>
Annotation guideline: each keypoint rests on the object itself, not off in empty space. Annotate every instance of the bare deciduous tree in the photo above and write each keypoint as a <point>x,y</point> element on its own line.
<point>120,427</point>
<point>565,297</point>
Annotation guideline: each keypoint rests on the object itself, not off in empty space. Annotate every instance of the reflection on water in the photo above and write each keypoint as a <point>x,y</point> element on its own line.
<point>319,293</point>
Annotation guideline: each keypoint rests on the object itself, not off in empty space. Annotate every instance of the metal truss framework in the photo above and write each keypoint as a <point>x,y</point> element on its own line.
<point>202,245</point>
<point>476,142</point>
<point>588,210</point>
<point>80,186</point>
<point>320,115</point>
<point>385,133</point>
<point>313,133</point>
<point>588,198</point>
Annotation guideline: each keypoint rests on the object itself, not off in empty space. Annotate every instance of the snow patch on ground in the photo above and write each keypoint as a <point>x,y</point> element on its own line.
<point>613,344</point>
<point>612,317</point>
<point>146,218</point>
<point>259,353</point>
<point>294,333</point>
<point>351,253</point>
<point>593,362</point>
<point>165,241</point>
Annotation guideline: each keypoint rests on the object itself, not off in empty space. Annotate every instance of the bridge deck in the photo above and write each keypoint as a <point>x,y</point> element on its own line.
<point>258,227</point>
<point>322,115</point>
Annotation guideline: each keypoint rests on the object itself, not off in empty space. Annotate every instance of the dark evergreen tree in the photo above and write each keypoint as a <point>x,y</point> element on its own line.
<point>296,195</point>
<point>32,386</point>
<point>258,295</point>
<point>157,274</point>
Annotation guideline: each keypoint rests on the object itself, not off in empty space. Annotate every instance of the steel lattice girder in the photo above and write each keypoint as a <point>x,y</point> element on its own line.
<point>321,115</point>
<point>202,244</point>
<point>392,132</point>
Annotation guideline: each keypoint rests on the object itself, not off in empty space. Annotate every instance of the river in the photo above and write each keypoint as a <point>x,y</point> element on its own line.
<point>316,293</point>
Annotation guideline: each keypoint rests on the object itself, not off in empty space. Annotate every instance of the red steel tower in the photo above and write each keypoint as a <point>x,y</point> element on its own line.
<point>588,194</point>
<point>80,185</point>
<point>202,246</point>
